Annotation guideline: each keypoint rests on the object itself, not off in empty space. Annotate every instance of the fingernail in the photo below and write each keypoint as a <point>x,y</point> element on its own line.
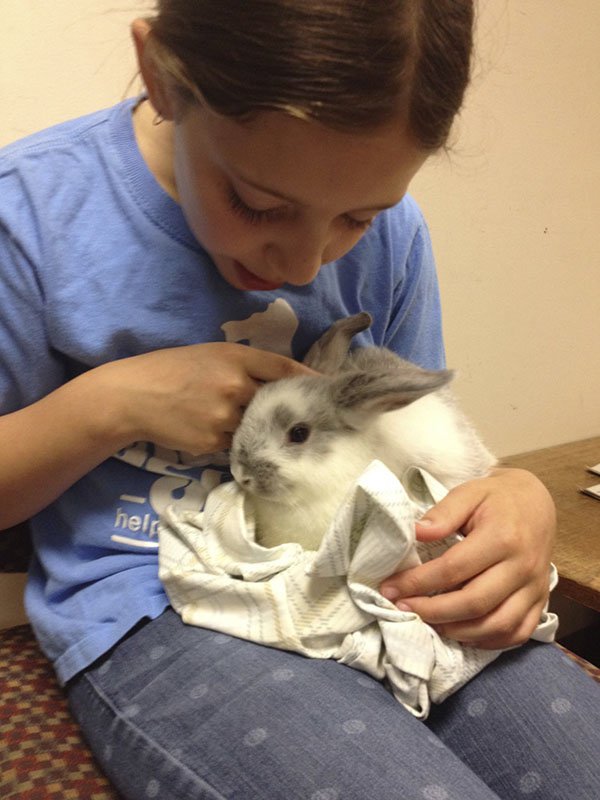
<point>403,607</point>
<point>390,593</point>
<point>425,522</point>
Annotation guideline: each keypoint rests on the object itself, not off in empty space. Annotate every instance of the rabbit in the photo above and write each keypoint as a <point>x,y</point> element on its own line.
<point>303,441</point>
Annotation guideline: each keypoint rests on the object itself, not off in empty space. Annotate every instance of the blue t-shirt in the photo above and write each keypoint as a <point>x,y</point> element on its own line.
<point>98,263</point>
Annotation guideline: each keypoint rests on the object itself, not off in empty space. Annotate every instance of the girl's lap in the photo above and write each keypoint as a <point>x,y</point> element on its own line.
<point>178,711</point>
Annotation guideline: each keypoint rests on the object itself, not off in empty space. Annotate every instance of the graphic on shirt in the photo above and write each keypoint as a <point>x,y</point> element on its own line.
<point>186,492</point>
<point>272,329</point>
<point>184,480</point>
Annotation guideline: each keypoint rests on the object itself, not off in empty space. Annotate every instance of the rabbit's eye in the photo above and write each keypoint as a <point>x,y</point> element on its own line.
<point>298,434</point>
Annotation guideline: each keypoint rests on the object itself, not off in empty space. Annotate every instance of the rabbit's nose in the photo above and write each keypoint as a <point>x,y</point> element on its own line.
<point>239,474</point>
<point>242,477</point>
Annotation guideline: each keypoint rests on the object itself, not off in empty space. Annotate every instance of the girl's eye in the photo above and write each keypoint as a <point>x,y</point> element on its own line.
<point>252,215</point>
<point>255,215</point>
<point>298,434</point>
<point>357,224</point>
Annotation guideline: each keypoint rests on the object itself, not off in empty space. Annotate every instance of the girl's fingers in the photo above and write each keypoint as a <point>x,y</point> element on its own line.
<point>480,597</point>
<point>455,512</point>
<point>456,566</point>
<point>265,366</point>
<point>508,625</point>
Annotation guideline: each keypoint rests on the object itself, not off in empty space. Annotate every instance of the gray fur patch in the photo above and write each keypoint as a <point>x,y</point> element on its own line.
<point>376,378</point>
<point>242,457</point>
<point>283,417</point>
<point>357,388</point>
<point>265,474</point>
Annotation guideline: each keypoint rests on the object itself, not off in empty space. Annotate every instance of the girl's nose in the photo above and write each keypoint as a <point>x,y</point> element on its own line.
<point>296,262</point>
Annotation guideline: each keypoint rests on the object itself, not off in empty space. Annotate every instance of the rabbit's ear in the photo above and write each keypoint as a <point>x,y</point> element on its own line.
<point>329,352</point>
<point>375,389</point>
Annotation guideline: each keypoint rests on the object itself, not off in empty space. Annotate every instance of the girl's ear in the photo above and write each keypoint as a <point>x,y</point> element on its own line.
<point>156,85</point>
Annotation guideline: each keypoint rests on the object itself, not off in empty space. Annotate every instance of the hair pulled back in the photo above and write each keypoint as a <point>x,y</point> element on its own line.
<point>349,64</point>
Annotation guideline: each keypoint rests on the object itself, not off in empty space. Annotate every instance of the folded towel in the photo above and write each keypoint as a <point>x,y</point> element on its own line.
<point>324,604</point>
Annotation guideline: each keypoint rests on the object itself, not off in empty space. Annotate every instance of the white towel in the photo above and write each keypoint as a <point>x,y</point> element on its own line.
<point>324,604</point>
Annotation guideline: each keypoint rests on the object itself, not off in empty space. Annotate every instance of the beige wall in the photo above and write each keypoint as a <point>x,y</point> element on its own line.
<point>514,211</point>
<point>515,218</point>
<point>60,59</point>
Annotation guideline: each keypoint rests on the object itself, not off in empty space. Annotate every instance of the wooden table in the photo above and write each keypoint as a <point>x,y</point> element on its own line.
<point>562,469</point>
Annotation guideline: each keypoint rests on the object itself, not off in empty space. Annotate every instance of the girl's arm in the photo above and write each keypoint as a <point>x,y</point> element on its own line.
<point>185,398</point>
<point>49,445</point>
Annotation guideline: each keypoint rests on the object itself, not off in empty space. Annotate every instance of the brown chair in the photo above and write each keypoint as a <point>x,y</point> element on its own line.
<point>42,753</point>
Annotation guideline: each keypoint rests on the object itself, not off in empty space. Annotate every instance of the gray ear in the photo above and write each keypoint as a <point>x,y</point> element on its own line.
<point>329,352</point>
<point>378,381</point>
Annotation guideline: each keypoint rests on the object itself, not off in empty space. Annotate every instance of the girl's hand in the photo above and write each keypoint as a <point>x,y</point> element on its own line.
<point>495,582</point>
<point>187,398</point>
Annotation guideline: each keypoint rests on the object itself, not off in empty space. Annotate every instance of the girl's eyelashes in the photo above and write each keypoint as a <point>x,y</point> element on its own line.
<point>255,215</point>
<point>357,224</point>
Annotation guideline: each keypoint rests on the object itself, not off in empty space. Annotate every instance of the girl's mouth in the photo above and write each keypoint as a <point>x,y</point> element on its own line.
<point>251,282</point>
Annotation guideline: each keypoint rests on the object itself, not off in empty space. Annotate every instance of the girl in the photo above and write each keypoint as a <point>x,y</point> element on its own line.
<point>159,260</point>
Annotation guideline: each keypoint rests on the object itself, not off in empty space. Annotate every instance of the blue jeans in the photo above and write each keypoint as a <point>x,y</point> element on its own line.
<point>182,713</point>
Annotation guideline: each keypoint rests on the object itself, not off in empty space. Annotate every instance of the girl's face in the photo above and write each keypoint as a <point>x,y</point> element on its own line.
<point>274,199</point>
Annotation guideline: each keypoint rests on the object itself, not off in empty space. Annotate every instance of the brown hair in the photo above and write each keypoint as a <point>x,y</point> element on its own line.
<point>350,64</point>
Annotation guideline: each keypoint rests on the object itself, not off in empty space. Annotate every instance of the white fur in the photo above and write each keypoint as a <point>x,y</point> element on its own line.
<point>430,433</point>
<point>433,434</point>
<point>296,489</point>
<point>321,486</point>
